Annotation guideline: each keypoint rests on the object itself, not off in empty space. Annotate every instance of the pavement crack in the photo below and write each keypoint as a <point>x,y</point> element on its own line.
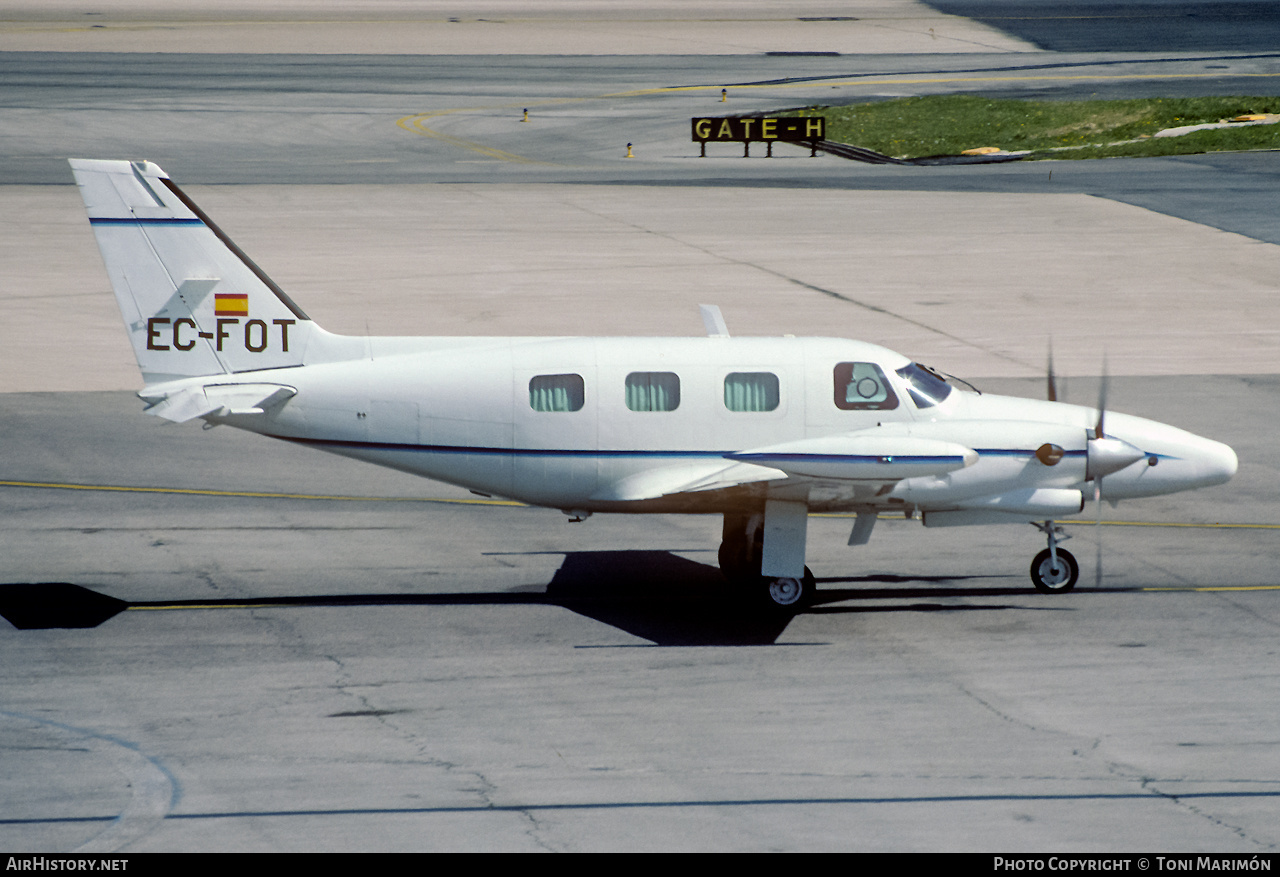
<point>1248,610</point>
<point>1148,784</point>
<point>994,710</point>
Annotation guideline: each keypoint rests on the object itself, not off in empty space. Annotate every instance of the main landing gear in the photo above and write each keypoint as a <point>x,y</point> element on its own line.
<point>741,556</point>
<point>1055,569</point>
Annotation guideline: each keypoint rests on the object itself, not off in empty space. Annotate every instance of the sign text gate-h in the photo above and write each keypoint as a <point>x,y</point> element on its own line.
<point>760,129</point>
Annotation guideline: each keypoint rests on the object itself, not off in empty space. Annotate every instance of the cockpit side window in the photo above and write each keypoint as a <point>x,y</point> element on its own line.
<point>926,388</point>
<point>861,386</point>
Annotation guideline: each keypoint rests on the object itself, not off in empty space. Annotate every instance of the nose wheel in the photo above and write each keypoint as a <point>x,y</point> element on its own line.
<point>1054,575</point>
<point>1054,570</point>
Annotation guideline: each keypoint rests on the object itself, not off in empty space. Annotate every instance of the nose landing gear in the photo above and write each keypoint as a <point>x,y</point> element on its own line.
<point>1054,570</point>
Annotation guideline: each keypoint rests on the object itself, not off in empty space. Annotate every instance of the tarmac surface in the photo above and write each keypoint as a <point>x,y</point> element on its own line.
<point>242,645</point>
<point>498,27</point>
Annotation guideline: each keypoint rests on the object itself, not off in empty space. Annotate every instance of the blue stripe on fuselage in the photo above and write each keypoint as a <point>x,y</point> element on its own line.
<point>571,452</point>
<point>119,220</point>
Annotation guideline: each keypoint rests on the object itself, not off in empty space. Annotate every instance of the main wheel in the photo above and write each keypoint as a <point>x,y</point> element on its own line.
<point>741,547</point>
<point>788,594</point>
<point>1054,580</point>
<point>734,563</point>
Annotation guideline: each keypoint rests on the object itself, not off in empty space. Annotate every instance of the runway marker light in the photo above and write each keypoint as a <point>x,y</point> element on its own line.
<point>724,95</point>
<point>629,155</point>
<point>526,115</point>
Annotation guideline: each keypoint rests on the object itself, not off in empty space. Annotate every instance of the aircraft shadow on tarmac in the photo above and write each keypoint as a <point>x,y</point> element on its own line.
<point>672,601</point>
<point>656,595</point>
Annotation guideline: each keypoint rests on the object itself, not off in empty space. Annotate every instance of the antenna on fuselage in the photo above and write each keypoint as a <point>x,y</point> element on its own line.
<point>714,321</point>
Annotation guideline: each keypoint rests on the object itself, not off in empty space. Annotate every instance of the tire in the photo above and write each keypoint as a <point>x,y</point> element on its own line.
<point>1050,581</point>
<point>740,550</point>
<point>732,562</point>
<point>788,595</point>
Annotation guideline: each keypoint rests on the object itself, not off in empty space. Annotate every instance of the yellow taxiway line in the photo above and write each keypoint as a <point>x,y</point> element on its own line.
<point>1215,525</point>
<point>251,605</point>
<point>189,491</point>
<point>417,124</point>
<point>1221,588</point>
<point>257,494</point>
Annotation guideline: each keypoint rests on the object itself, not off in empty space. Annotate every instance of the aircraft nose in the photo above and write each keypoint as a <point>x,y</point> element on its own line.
<point>1224,462</point>
<point>1217,462</point>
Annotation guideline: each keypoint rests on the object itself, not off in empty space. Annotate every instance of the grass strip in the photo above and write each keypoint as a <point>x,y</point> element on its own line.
<point>916,127</point>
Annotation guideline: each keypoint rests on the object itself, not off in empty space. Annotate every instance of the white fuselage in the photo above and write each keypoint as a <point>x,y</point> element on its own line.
<point>761,430</point>
<point>461,410</point>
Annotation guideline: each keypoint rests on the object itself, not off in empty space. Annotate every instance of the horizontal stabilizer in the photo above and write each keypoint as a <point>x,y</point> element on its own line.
<point>183,401</point>
<point>867,455</point>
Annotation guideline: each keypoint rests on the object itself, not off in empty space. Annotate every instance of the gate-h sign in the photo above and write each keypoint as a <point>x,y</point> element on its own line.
<point>760,129</point>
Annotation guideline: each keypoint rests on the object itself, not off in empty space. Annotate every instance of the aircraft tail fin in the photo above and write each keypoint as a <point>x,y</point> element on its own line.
<point>193,303</point>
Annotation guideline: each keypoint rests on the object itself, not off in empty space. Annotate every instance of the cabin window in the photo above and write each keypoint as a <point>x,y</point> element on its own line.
<point>556,393</point>
<point>653,391</point>
<point>751,391</point>
<point>861,386</point>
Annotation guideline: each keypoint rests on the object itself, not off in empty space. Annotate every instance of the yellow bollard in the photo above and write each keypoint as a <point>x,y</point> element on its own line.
<point>629,155</point>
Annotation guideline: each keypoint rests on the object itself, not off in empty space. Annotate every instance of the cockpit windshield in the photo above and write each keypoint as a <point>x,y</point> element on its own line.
<point>927,389</point>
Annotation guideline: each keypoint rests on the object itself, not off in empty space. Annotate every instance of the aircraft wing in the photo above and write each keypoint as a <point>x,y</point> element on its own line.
<point>695,477</point>
<point>180,401</point>
<point>874,455</point>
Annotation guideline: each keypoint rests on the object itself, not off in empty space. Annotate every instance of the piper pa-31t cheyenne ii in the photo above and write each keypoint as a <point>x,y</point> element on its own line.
<point>760,430</point>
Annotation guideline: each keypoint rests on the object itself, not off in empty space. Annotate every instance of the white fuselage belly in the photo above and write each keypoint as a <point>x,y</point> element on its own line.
<point>459,410</point>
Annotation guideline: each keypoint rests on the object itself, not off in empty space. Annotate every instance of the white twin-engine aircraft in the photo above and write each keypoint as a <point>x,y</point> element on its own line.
<point>761,430</point>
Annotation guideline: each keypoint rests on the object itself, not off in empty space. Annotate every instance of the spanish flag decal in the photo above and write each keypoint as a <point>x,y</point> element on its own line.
<point>230,304</point>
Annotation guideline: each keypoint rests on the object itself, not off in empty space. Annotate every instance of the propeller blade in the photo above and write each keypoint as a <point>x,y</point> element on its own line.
<point>1099,432</point>
<point>1053,381</point>
<point>1097,532</point>
<point>1100,436</point>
